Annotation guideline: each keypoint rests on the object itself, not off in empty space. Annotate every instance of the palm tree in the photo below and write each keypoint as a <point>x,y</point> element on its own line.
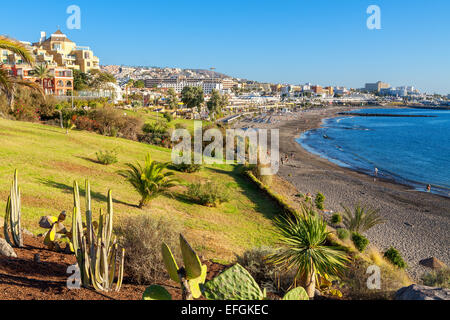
<point>303,241</point>
<point>8,83</point>
<point>41,72</point>
<point>149,180</point>
<point>361,219</point>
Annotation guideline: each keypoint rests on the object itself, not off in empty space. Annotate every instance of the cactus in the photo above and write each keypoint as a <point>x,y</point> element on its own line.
<point>236,283</point>
<point>191,276</point>
<point>296,294</point>
<point>13,216</point>
<point>95,249</point>
<point>156,293</point>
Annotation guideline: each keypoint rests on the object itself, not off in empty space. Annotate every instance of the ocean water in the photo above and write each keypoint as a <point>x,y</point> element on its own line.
<point>412,151</point>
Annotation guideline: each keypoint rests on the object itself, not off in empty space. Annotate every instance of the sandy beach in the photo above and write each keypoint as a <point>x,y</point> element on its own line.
<point>417,223</point>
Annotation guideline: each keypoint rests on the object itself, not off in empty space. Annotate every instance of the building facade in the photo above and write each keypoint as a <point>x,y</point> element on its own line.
<point>59,55</point>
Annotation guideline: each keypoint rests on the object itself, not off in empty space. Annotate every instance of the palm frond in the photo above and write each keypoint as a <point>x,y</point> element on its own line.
<point>17,48</point>
<point>361,219</point>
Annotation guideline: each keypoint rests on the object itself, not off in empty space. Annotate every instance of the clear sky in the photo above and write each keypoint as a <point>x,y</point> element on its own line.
<point>286,41</point>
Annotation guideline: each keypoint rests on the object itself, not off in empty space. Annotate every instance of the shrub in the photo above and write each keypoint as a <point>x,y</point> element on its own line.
<point>142,237</point>
<point>320,199</point>
<point>186,167</point>
<point>360,241</point>
<point>336,218</point>
<point>156,133</point>
<point>107,157</point>
<point>395,258</point>
<point>168,116</point>
<point>208,194</point>
<point>343,234</point>
<point>85,123</point>
<point>180,126</point>
<point>361,219</point>
<point>267,275</point>
<point>438,278</point>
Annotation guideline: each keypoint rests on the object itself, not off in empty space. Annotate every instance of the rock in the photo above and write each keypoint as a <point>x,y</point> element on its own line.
<point>433,263</point>
<point>418,292</point>
<point>47,222</point>
<point>27,233</point>
<point>6,250</point>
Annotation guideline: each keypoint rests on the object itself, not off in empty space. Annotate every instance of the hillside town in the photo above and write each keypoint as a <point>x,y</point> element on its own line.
<point>62,62</point>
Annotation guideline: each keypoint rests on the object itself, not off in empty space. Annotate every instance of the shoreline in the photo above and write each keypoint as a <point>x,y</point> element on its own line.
<point>417,223</point>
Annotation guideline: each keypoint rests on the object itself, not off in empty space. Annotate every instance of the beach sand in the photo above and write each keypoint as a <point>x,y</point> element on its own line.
<point>417,223</point>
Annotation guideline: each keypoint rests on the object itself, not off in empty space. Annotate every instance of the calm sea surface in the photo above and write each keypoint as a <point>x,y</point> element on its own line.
<point>413,151</point>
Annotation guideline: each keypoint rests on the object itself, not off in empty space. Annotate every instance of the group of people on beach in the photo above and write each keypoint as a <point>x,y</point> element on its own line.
<point>285,159</point>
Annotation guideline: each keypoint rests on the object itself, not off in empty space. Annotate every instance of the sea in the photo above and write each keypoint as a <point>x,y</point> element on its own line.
<point>413,151</point>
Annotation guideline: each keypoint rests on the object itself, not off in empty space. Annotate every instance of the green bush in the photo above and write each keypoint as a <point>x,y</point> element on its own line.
<point>168,116</point>
<point>336,218</point>
<point>360,241</point>
<point>343,234</point>
<point>438,278</point>
<point>395,258</point>
<point>107,157</point>
<point>186,167</point>
<point>320,199</point>
<point>208,194</point>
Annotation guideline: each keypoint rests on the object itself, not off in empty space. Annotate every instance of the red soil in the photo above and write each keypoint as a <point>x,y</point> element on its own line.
<point>24,279</point>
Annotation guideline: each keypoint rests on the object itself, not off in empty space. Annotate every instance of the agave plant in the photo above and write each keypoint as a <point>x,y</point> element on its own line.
<point>361,219</point>
<point>149,180</point>
<point>303,247</point>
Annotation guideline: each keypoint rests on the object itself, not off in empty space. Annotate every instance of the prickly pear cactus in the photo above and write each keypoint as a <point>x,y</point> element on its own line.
<point>235,283</point>
<point>156,293</point>
<point>169,262</point>
<point>194,284</point>
<point>296,294</point>
<point>192,263</point>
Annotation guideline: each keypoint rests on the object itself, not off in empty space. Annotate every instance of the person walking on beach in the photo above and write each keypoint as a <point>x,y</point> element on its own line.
<point>429,188</point>
<point>376,175</point>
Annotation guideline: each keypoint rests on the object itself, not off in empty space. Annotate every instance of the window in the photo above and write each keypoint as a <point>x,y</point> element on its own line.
<point>69,84</point>
<point>60,83</point>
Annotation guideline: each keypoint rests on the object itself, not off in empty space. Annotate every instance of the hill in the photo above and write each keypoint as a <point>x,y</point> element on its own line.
<point>49,161</point>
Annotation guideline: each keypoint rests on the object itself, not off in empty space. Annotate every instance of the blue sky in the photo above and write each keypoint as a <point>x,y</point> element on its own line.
<point>287,41</point>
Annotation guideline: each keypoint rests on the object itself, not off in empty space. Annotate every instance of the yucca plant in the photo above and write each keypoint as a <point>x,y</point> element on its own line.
<point>13,215</point>
<point>96,250</point>
<point>149,180</point>
<point>303,248</point>
<point>361,219</point>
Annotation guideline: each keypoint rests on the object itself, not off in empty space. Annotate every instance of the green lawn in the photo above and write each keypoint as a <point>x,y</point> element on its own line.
<point>151,116</point>
<point>49,161</point>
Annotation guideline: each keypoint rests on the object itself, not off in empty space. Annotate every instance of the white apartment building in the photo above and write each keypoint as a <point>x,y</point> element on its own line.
<point>208,85</point>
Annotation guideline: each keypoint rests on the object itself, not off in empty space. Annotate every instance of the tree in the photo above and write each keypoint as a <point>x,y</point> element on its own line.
<point>192,97</point>
<point>217,102</point>
<point>361,219</point>
<point>81,80</point>
<point>172,99</point>
<point>139,84</point>
<point>9,83</point>
<point>149,180</point>
<point>303,241</point>
<point>41,72</point>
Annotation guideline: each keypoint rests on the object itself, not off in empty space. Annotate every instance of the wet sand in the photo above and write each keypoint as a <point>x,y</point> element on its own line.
<point>417,223</point>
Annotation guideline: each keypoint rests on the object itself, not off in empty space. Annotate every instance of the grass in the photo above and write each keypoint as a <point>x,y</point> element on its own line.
<point>151,116</point>
<point>49,161</point>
